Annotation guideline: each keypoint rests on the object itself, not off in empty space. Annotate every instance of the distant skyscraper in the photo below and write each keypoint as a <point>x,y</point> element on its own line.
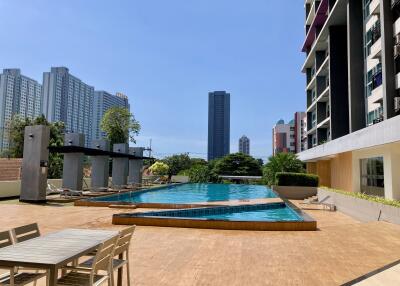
<point>283,139</point>
<point>218,124</point>
<point>244,145</point>
<point>18,95</point>
<point>66,98</point>
<point>102,102</point>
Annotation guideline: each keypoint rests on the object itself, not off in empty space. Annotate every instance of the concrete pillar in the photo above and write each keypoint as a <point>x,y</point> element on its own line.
<point>135,166</point>
<point>35,164</point>
<point>100,165</point>
<point>391,171</point>
<point>73,163</point>
<point>120,166</point>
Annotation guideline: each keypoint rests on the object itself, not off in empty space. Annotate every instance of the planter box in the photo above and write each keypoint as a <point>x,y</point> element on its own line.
<point>294,192</point>
<point>360,209</point>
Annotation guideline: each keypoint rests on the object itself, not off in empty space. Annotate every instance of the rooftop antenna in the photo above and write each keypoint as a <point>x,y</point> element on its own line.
<point>149,148</point>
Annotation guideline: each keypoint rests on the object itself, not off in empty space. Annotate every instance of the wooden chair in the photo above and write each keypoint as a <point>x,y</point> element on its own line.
<point>14,277</point>
<point>89,275</point>
<point>122,251</point>
<point>25,232</point>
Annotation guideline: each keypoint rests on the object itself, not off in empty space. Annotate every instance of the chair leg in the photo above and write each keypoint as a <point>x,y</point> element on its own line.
<point>111,277</point>
<point>47,277</point>
<point>127,273</point>
<point>35,282</point>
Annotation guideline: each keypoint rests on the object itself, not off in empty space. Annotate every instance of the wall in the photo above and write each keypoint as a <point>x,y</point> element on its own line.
<point>321,168</point>
<point>341,172</point>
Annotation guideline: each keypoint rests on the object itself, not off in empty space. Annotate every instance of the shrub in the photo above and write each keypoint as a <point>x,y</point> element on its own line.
<point>202,174</point>
<point>296,179</point>
<point>159,168</point>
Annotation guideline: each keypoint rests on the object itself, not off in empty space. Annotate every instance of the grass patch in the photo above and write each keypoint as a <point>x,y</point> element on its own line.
<point>393,203</point>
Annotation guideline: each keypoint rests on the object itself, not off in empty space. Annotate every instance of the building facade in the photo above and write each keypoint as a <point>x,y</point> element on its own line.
<point>18,95</point>
<point>218,124</point>
<point>300,131</point>
<point>102,102</point>
<point>352,72</point>
<point>283,137</point>
<point>244,145</point>
<point>68,99</point>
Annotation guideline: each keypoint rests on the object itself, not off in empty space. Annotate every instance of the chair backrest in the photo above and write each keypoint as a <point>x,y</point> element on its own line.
<point>124,240</point>
<point>5,239</point>
<point>25,232</point>
<point>104,255</point>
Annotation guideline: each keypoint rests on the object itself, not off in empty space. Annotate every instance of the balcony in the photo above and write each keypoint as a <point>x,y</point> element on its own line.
<point>376,49</point>
<point>319,20</point>
<point>376,96</point>
<point>374,7</point>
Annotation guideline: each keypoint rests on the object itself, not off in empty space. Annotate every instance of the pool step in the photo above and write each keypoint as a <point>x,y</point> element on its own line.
<point>130,207</point>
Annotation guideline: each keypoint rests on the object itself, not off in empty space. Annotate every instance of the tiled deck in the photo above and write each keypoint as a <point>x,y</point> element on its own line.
<point>341,250</point>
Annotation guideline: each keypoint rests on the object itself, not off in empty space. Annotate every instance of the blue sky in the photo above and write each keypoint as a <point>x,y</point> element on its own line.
<point>166,56</point>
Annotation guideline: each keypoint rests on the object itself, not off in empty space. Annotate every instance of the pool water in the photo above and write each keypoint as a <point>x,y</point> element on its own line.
<point>262,212</point>
<point>192,193</point>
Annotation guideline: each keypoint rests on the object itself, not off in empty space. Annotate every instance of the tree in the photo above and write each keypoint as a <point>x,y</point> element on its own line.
<point>17,132</point>
<point>120,125</point>
<point>201,174</point>
<point>177,163</point>
<point>238,164</point>
<point>281,162</point>
<point>159,168</point>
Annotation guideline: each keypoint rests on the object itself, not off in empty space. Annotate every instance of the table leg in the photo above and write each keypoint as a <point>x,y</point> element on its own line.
<point>53,276</point>
<point>120,270</point>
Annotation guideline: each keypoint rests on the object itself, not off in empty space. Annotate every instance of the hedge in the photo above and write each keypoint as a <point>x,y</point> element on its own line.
<point>296,179</point>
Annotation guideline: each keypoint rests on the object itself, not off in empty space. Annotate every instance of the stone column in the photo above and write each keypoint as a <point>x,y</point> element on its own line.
<point>120,166</point>
<point>73,163</point>
<point>100,165</point>
<point>35,164</point>
<point>135,166</point>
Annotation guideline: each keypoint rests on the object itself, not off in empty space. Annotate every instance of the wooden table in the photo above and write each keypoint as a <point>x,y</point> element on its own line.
<point>54,250</point>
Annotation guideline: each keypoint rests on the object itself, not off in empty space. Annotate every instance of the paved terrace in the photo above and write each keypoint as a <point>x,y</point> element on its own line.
<point>341,250</point>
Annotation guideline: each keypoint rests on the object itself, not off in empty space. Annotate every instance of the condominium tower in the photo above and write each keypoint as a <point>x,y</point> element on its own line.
<point>283,137</point>
<point>18,95</point>
<point>66,98</point>
<point>218,124</point>
<point>352,69</point>
<point>244,145</point>
<point>300,131</point>
<point>102,102</point>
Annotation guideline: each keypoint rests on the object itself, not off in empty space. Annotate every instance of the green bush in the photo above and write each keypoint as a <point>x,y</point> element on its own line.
<point>296,179</point>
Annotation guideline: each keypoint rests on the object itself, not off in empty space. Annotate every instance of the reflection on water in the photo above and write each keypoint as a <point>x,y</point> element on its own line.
<point>188,193</point>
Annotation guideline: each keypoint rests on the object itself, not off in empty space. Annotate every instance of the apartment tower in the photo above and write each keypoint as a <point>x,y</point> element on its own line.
<point>352,70</point>
<point>67,98</point>
<point>244,145</point>
<point>102,102</point>
<point>218,124</point>
<point>283,138</point>
<point>18,95</point>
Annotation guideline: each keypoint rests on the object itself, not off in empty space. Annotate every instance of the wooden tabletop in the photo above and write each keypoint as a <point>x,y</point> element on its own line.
<point>54,250</point>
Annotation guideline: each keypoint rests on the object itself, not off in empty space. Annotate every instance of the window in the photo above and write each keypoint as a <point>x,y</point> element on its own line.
<point>372,176</point>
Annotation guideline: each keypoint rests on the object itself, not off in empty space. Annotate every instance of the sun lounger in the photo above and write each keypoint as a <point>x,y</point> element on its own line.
<point>315,201</point>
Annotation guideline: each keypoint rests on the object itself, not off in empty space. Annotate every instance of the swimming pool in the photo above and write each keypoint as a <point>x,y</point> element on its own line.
<point>259,212</point>
<point>191,193</point>
<point>263,217</point>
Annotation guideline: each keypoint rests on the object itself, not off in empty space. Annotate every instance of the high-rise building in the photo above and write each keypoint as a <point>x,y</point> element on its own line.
<point>244,145</point>
<point>300,131</point>
<point>352,72</point>
<point>218,124</point>
<point>66,98</point>
<point>18,95</point>
<point>283,139</point>
<point>102,102</point>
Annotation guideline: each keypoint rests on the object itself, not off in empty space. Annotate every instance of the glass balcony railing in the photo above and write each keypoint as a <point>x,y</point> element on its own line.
<point>376,80</point>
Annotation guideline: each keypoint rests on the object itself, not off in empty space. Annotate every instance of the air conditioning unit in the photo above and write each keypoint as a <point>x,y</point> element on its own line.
<point>397,104</point>
<point>397,39</point>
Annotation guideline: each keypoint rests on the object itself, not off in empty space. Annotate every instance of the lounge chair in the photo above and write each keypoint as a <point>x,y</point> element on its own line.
<point>53,190</point>
<point>315,201</point>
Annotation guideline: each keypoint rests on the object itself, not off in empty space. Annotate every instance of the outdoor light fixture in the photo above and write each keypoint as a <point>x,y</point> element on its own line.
<point>70,142</point>
<point>30,135</point>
